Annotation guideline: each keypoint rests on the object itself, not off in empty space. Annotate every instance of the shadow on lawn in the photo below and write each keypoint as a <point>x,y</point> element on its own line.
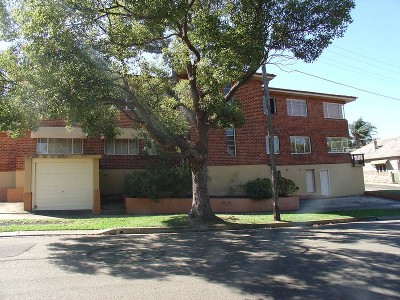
<point>333,262</point>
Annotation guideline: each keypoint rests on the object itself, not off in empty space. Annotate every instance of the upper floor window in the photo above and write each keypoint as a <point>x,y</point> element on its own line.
<point>230,142</point>
<point>121,147</point>
<point>276,144</point>
<point>296,108</point>
<point>337,144</point>
<point>333,110</point>
<point>227,88</point>
<point>300,144</point>
<point>272,104</point>
<point>59,146</point>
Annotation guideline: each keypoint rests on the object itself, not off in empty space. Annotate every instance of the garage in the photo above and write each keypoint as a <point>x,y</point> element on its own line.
<point>63,184</point>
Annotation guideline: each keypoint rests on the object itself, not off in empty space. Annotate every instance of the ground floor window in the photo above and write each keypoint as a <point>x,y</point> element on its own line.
<point>59,146</point>
<point>121,147</point>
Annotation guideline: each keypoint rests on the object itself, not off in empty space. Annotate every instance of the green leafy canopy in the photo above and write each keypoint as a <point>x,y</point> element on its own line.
<point>81,60</point>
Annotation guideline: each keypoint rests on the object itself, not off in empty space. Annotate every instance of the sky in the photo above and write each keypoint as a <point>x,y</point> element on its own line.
<point>367,58</point>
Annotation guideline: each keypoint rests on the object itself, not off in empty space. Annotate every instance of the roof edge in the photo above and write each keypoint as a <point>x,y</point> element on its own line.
<point>315,94</point>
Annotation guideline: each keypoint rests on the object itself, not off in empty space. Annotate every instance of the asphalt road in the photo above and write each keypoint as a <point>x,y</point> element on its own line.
<point>347,261</point>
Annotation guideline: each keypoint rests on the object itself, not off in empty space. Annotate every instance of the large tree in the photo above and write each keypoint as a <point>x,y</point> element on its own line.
<point>361,132</point>
<point>168,61</point>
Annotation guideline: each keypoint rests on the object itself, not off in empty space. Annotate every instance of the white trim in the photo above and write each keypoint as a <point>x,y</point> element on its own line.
<point>313,94</point>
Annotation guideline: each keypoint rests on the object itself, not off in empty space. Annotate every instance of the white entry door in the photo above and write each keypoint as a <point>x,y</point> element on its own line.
<point>325,185</point>
<point>310,178</point>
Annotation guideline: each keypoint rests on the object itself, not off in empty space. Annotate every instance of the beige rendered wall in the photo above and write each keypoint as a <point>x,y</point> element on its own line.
<point>344,178</point>
<point>112,180</point>
<point>7,179</point>
<point>19,179</point>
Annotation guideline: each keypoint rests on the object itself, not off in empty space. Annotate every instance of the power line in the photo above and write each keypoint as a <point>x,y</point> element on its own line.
<point>379,61</point>
<point>349,86</point>
<point>363,71</point>
<point>363,62</point>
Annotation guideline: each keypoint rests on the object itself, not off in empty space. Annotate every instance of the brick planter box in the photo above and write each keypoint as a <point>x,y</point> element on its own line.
<point>140,206</point>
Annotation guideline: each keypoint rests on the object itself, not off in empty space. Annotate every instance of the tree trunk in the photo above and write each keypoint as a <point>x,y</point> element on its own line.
<point>201,206</point>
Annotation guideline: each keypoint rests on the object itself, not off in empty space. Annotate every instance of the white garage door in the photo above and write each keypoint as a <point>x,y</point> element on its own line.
<point>63,185</point>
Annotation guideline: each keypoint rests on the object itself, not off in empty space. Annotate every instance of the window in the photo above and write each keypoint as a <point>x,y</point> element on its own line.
<point>296,108</point>
<point>272,103</point>
<point>59,146</point>
<point>230,141</point>
<point>337,144</point>
<point>121,147</point>
<point>333,111</point>
<point>381,168</point>
<point>276,144</point>
<point>227,88</point>
<point>300,144</point>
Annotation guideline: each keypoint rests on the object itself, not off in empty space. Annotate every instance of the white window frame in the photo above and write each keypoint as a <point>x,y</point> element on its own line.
<point>276,144</point>
<point>47,141</point>
<point>344,141</point>
<point>303,140</point>
<point>230,141</point>
<point>293,104</point>
<point>331,109</point>
<point>129,142</point>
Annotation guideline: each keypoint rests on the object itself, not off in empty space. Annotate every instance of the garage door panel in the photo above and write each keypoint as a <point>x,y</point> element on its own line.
<point>64,185</point>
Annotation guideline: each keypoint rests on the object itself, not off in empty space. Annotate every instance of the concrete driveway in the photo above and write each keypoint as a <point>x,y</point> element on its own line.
<point>346,203</point>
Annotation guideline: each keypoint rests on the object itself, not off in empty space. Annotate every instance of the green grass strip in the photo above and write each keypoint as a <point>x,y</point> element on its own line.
<point>107,222</point>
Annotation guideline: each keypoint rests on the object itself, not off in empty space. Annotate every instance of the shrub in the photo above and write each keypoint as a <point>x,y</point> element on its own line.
<point>258,188</point>
<point>261,188</point>
<point>286,187</point>
<point>159,181</point>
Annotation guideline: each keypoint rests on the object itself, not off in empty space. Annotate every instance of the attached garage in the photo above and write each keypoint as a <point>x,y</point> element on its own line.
<point>69,183</point>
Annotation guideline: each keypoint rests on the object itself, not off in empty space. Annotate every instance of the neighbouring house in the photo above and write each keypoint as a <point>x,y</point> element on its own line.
<point>57,169</point>
<point>382,160</point>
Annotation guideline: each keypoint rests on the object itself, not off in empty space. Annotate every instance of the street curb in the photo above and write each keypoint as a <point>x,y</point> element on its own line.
<point>199,228</point>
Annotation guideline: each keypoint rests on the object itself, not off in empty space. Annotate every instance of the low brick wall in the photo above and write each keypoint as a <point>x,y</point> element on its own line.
<point>219,205</point>
<point>15,195</point>
<point>383,195</point>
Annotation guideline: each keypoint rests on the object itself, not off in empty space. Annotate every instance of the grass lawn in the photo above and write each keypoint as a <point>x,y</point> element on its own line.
<point>108,222</point>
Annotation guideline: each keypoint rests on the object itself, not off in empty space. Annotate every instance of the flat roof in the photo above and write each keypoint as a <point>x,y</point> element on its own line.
<point>314,94</point>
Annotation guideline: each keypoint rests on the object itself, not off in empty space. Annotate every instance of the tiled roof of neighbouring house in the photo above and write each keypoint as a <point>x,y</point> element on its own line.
<point>384,149</point>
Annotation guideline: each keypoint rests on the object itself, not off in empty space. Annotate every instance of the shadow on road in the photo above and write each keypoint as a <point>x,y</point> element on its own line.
<point>341,262</point>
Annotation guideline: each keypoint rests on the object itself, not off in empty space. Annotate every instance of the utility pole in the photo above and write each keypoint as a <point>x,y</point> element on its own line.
<point>271,141</point>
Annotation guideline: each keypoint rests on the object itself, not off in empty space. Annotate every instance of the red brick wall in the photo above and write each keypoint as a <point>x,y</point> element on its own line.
<point>7,153</point>
<point>14,151</point>
<point>250,139</point>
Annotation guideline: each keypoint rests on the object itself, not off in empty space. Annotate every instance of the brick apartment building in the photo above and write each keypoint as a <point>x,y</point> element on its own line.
<point>58,169</point>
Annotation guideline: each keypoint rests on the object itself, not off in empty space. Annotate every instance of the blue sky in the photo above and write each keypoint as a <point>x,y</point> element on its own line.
<point>367,57</point>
